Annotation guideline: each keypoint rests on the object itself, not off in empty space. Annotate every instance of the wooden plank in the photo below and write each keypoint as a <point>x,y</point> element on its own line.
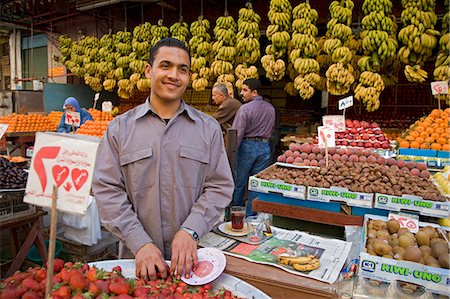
<point>307,214</point>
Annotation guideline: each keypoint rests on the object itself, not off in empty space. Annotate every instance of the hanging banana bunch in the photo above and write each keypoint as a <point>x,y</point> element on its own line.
<point>418,37</point>
<point>247,44</point>
<point>180,30</point>
<point>158,32</point>
<point>224,49</point>
<point>142,37</point>
<point>324,61</point>
<point>280,14</point>
<point>340,73</point>
<point>304,48</point>
<point>442,65</point>
<point>200,53</point>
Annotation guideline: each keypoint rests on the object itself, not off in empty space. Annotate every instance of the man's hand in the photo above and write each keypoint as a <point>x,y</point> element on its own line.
<point>184,254</point>
<point>149,260</point>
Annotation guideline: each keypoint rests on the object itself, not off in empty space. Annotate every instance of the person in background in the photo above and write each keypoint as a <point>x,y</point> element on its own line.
<point>228,106</point>
<point>162,177</point>
<point>71,104</point>
<point>254,122</point>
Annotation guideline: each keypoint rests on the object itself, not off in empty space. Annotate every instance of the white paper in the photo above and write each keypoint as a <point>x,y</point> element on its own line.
<point>72,118</point>
<point>345,103</point>
<point>3,128</point>
<point>335,121</point>
<point>439,87</point>
<point>406,221</point>
<point>326,136</point>
<point>107,106</point>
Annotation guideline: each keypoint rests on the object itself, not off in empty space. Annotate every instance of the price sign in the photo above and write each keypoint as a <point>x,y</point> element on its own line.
<point>439,87</point>
<point>345,103</point>
<point>107,106</point>
<point>326,136</point>
<point>335,121</point>
<point>72,118</point>
<point>96,96</point>
<point>66,161</point>
<point>3,128</point>
<point>407,221</point>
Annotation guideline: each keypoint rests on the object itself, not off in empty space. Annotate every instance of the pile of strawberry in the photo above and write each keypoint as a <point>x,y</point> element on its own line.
<point>79,280</point>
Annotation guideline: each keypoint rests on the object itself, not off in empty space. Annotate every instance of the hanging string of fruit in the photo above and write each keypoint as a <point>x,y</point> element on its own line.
<point>224,49</point>
<point>418,37</point>
<point>180,29</point>
<point>247,44</point>
<point>379,47</point>
<point>280,13</point>
<point>142,36</point>
<point>304,49</point>
<point>158,32</point>
<point>123,43</point>
<point>324,61</point>
<point>108,58</point>
<point>200,53</point>
<point>340,73</point>
<point>442,64</point>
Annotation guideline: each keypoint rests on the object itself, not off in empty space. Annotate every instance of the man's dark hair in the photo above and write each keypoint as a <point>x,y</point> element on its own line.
<point>253,84</point>
<point>168,42</point>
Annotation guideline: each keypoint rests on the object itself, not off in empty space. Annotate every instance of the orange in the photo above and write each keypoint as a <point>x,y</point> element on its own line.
<point>414,144</point>
<point>440,130</point>
<point>404,144</point>
<point>438,120</point>
<point>429,139</point>
<point>436,146</point>
<point>420,139</point>
<point>424,145</point>
<point>410,138</point>
<point>429,130</point>
<point>420,128</point>
<point>441,140</point>
<point>446,147</point>
<point>425,134</point>
<point>415,133</point>
<point>435,136</point>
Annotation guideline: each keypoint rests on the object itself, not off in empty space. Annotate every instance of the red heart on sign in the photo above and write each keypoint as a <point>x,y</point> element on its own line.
<point>79,177</point>
<point>60,174</point>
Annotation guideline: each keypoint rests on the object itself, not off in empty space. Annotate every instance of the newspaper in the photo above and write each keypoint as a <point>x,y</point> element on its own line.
<point>332,253</point>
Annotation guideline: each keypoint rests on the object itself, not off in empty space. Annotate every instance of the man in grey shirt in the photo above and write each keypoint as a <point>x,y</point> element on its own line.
<point>162,177</point>
<point>228,106</point>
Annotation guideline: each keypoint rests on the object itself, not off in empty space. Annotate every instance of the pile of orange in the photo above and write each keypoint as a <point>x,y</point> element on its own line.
<point>55,117</point>
<point>99,115</point>
<point>93,128</point>
<point>28,123</point>
<point>430,132</point>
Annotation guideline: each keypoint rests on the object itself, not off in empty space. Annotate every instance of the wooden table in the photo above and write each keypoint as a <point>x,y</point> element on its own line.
<point>21,140</point>
<point>278,283</point>
<point>32,224</point>
<point>308,214</point>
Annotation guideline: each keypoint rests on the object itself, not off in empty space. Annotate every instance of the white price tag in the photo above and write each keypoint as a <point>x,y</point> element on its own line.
<point>3,128</point>
<point>326,136</point>
<point>96,96</point>
<point>439,87</point>
<point>335,121</point>
<point>345,103</point>
<point>73,118</point>
<point>408,221</point>
<point>107,106</point>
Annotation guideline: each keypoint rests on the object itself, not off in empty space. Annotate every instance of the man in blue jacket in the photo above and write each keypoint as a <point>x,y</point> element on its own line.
<point>71,104</point>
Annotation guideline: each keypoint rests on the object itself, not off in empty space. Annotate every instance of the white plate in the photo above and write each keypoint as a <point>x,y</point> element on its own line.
<point>225,227</point>
<point>237,286</point>
<point>211,263</point>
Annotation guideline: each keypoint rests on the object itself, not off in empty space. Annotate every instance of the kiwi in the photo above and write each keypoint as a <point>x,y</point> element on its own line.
<point>436,240</point>
<point>438,249</point>
<point>381,247</point>
<point>398,249</point>
<point>405,241</point>
<point>431,231</point>
<point>371,252</point>
<point>412,254</point>
<point>393,226</point>
<point>394,241</point>
<point>389,255</point>
<point>444,262</point>
<point>426,250</point>
<point>371,233</point>
<point>423,238</point>
<point>402,230</point>
<point>430,260</point>
<point>379,225</point>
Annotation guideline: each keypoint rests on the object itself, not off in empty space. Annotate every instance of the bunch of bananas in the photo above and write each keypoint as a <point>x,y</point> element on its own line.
<point>377,5</point>
<point>290,89</point>
<point>242,72</point>
<point>369,89</point>
<point>247,38</point>
<point>418,37</point>
<point>224,48</point>
<point>201,53</point>
<point>141,40</point>
<point>158,32</point>
<point>180,30</point>
<point>93,82</point>
<point>339,34</point>
<point>280,13</point>
<point>109,84</point>
<point>144,84</point>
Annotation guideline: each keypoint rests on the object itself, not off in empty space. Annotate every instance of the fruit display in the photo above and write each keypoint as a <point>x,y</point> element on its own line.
<point>360,177</point>
<point>93,128</point>
<point>55,117</point>
<point>442,64</point>
<point>224,49</point>
<point>418,36</point>
<point>28,123</point>
<point>339,74</point>
<point>428,246</point>
<point>180,31</point>
<point>79,280</point>
<point>442,180</point>
<point>430,132</point>
<point>200,54</point>
<point>247,45</point>
<point>99,115</point>
<point>303,50</point>
<point>12,173</point>
<point>280,14</point>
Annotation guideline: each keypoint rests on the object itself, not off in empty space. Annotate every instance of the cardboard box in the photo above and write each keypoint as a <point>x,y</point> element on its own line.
<point>412,203</point>
<point>435,280</point>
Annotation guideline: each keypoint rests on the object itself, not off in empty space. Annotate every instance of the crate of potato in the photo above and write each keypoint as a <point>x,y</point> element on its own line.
<point>392,253</point>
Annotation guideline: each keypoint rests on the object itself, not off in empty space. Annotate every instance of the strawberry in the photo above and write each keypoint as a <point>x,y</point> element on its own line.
<point>102,296</point>
<point>93,289</point>
<point>117,269</point>
<point>121,296</point>
<point>40,274</point>
<point>103,285</point>
<point>31,295</point>
<point>58,264</point>
<point>9,294</point>
<point>78,295</point>
<point>77,281</point>
<point>63,292</point>
<point>30,283</point>
<point>140,291</point>
<point>119,286</point>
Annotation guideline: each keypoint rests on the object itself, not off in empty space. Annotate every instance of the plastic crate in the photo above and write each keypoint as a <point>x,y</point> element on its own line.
<point>12,205</point>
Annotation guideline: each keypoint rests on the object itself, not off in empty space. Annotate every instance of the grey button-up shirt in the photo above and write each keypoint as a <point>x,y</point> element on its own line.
<point>151,178</point>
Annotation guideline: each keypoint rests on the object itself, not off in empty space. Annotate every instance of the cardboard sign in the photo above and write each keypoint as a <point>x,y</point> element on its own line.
<point>107,106</point>
<point>345,103</point>
<point>72,118</point>
<point>326,136</point>
<point>407,221</point>
<point>66,161</point>
<point>439,87</point>
<point>3,128</point>
<point>335,121</point>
